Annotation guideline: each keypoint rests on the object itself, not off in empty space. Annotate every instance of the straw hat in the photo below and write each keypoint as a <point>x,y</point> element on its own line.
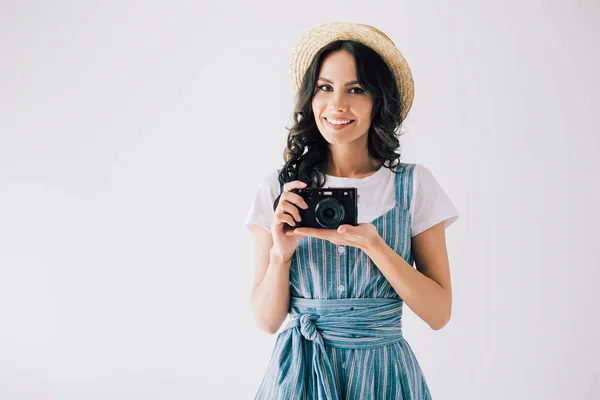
<point>313,40</point>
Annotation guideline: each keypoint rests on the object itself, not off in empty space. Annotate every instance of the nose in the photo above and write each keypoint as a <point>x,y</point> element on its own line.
<point>338,102</point>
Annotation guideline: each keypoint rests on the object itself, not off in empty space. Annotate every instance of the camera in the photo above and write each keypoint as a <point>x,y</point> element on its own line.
<point>328,207</point>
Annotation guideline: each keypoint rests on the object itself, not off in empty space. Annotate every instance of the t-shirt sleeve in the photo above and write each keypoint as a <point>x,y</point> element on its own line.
<point>430,204</point>
<point>261,210</point>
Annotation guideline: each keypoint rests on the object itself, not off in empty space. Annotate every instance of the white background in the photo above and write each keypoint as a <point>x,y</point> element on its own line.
<point>134,134</point>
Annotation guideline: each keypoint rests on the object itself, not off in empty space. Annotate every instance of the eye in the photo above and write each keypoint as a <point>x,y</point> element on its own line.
<point>359,90</point>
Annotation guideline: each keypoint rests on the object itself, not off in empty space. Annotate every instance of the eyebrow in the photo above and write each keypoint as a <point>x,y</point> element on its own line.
<point>346,84</point>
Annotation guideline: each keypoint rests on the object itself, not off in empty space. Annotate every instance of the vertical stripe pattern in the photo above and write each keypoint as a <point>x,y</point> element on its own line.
<point>344,337</point>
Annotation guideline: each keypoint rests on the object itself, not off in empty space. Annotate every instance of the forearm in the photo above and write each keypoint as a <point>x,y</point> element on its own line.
<point>422,294</point>
<point>271,298</point>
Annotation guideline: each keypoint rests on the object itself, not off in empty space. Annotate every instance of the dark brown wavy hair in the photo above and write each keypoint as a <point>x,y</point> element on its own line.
<point>307,151</point>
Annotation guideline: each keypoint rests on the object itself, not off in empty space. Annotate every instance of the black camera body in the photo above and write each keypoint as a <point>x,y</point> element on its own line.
<point>328,207</point>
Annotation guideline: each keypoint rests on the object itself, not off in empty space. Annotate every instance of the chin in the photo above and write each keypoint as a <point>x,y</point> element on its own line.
<point>337,140</point>
<point>338,137</point>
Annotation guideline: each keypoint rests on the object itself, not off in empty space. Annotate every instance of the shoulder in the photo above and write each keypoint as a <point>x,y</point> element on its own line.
<point>414,179</point>
<point>416,173</point>
<point>406,174</point>
<point>423,179</point>
<point>271,179</point>
<point>407,169</point>
<point>430,203</point>
<point>268,187</point>
<point>261,209</point>
<point>421,171</point>
<point>269,184</point>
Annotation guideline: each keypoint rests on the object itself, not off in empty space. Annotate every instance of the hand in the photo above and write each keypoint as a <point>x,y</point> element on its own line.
<point>286,215</point>
<point>362,236</point>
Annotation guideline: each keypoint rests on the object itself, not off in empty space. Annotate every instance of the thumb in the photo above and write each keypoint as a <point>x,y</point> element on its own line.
<point>346,229</point>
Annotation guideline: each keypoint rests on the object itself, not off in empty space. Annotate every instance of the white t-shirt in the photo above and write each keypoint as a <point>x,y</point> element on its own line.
<point>429,204</point>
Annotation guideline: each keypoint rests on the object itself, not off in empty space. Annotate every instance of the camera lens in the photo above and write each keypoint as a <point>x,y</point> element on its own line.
<point>329,213</point>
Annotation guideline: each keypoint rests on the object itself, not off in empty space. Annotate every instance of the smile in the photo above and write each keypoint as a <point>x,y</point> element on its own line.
<point>338,126</point>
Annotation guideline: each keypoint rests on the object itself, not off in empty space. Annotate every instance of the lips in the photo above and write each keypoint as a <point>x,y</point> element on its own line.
<point>333,117</point>
<point>338,126</point>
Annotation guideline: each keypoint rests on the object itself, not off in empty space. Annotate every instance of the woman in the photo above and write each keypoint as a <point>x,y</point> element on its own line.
<point>344,288</point>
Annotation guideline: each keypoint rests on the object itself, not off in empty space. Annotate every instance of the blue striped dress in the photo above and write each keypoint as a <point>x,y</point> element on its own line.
<point>343,339</point>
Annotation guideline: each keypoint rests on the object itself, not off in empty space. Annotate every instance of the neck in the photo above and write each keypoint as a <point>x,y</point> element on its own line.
<point>348,164</point>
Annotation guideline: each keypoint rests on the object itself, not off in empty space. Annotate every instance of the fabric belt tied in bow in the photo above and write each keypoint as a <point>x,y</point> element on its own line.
<point>357,323</point>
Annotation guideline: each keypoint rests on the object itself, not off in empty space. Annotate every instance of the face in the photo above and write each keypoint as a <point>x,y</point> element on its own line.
<point>338,95</point>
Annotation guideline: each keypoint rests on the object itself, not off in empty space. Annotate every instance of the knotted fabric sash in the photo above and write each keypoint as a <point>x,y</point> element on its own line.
<point>357,323</point>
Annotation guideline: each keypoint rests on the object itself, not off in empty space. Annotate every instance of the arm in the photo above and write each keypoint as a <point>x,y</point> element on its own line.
<point>270,298</point>
<point>426,290</point>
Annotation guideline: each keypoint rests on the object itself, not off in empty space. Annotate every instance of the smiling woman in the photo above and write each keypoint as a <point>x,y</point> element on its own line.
<point>344,288</point>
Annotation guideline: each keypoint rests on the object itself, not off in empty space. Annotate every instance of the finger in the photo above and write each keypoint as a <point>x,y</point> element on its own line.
<point>311,232</point>
<point>295,199</point>
<point>286,219</point>
<point>293,185</point>
<point>286,207</point>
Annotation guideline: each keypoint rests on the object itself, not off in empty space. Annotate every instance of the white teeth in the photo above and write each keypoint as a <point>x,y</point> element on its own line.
<point>337,122</point>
